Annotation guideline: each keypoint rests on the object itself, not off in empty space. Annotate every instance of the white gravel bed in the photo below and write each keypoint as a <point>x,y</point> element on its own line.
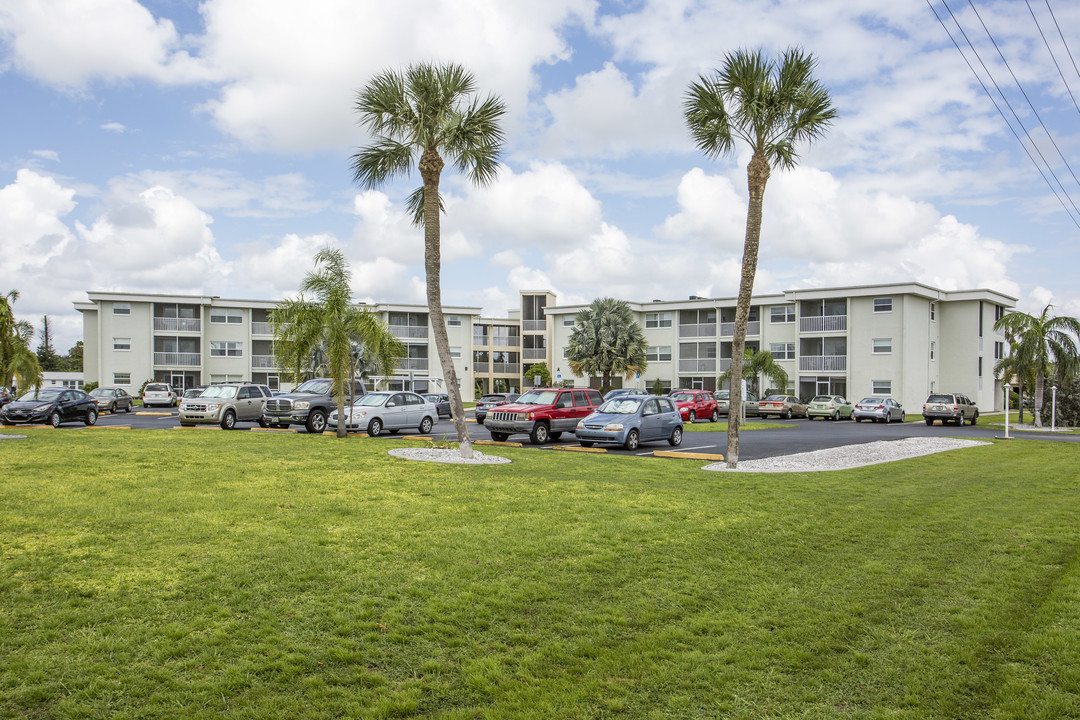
<point>12,437</point>
<point>850,456</point>
<point>452,456</point>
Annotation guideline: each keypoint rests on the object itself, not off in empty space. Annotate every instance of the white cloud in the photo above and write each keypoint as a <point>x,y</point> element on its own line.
<point>115,127</point>
<point>46,155</point>
<point>506,258</point>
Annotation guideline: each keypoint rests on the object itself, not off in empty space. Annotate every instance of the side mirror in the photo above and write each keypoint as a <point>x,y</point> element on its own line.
<point>390,404</point>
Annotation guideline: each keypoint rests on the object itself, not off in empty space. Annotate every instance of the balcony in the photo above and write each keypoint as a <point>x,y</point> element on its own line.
<point>823,363</point>
<point>700,330</point>
<point>707,365</point>
<point>534,354</point>
<point>823,323</point>
<point>261,328</point>
<point>534,325</point>
<point>481,340</point>
<point>409,332</point>
<point>177,359</point>
<point>481,367</point>
<point>177,324</point>
<point>512,341</point>
<point>725,364</point>
<point>412,364</point>
<point>263,361</point>
<point>506,368</point>
<point>727,329</point>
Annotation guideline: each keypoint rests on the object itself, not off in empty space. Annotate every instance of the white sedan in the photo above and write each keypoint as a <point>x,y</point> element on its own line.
<point>379,412</point>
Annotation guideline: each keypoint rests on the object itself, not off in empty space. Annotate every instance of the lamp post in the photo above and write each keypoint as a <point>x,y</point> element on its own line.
<point>1007,390</point>
<point>1053,409</point>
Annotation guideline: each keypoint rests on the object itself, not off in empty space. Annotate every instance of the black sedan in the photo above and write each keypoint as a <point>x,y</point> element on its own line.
<point>52,405</point>
<point>441,402</point>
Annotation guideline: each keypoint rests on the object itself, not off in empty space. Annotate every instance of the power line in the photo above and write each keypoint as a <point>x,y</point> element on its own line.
<point>1062,36</point>
<point>1052,56</point>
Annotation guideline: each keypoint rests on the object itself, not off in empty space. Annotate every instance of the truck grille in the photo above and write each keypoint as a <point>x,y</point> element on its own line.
<point>278,405</point>
<point>503,416</point>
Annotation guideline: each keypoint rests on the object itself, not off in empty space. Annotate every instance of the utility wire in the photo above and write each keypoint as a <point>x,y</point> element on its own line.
<point>1052,56</point>
<point>1062,36</point>
<point>1003,117</point>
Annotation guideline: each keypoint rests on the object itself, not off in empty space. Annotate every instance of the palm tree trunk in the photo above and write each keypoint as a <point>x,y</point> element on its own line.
<point>1020,395</point>
<point>431,165</point>
<point>757,175</point>
<point>1040,389</point>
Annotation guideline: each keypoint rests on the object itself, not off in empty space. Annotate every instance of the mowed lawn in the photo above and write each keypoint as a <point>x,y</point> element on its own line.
<point>153,574</point>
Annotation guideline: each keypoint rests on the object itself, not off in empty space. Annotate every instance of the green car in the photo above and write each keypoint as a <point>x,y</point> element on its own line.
<point>831,407</point>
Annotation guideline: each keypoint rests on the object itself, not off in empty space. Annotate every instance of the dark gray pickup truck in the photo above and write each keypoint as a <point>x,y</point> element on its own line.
<point>308,405</point>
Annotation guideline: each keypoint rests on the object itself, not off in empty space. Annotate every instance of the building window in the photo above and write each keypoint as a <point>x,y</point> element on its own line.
<point>121,344</point>
<point>882,346</point>
<point>782,351</point>
<point>455,352</point>
<point>226,349</point>
<point>121,309</point>
<point>225,378</point>
<point>933,350</point>
<point>933,311</point>
<point>568,321</point>
<point>782,314</point>
<point>121,378</point>
<point>453,321</point>
<point>980,367</point>
<point>665,385</point>
<point>999,350</point>
<point>882,387</point>
<point>882,305</point>
<point>658,353</point>
<point>658,320</point>
<point>231,316</point>
<point>999,312</point>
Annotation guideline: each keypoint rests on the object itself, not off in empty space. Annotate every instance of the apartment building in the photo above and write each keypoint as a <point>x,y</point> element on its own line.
<point>901,340</point>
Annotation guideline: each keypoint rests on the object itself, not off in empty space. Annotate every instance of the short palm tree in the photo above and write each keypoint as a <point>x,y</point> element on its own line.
<point>325,330</point>
<point>755,365</point>
<point>771,106</point>
<point>17,360</point>
<point>416,117</point>
<point>607,341</point>
<point>1042,345</point>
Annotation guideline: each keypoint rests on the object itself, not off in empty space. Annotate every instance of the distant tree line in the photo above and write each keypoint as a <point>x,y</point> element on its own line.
<point>49,361</point>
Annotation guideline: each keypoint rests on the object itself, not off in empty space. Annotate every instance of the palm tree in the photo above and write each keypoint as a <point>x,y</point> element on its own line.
<point>771,106</point>
<point>756,364</point>
<point>607,341</point>
<point>324,331</point>
<point>1043,346</point>
<point>1008,369</point>
<point>416,118</point>
<point>17,360</point>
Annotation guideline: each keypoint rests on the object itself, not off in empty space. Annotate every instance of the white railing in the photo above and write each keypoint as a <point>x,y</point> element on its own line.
<point>824,363</point>
<point>698,366</point>
<point>261,328</point>
<point>823,323</point>
<point>699,330</point>
<point>481,340</point>
<point>177,324</point>
<point>481,367</point>
<point>533,325</point>
<point>533,353</point>
<point>506,341</point>
<point>412,363</point>
<point>506,368</point>
<point>409,331</point>
<point>177,359</point>
<point>262,361</point>
<point>727,329</point>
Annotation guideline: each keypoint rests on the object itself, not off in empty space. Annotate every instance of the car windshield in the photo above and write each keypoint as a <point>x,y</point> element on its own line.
<point>372,399</point>
<point>871,401</point>
<point>682,397</point>
<point>318,387</point>
<point>776,398</point>
<point>492,398</point>
<point>620,406</point>
<point>939,399</point>
<point>42,394</point>
<point>538,397</point>
<point>156,387</point>
<point>192,393</point>
<point>723,395</point>
<point>220,391</point>
<point>822,398</point>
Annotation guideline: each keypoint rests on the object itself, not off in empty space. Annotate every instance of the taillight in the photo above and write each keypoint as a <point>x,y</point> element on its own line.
<point>880,407</point>
<point>924,408</point>
<point>955,408</point>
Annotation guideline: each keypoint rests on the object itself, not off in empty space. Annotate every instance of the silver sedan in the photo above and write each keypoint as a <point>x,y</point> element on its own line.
<point>878,409</point>
<point>379,412</point>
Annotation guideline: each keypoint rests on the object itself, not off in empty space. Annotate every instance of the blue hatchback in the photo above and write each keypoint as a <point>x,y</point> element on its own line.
<point>630,420</point>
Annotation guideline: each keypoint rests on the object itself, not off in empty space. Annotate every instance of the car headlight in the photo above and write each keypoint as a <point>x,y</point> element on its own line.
<point>302,405</point>
<point>41,410</point>
<point>581,424</point>
<point>613,426</point>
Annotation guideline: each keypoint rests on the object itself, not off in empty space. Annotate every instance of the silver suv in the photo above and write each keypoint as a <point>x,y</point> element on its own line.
<point>950,407</point>
<point>225,404</point>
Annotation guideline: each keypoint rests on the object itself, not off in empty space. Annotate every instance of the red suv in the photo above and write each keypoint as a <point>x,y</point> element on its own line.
<point>696,404</point>
<point>543,413</point>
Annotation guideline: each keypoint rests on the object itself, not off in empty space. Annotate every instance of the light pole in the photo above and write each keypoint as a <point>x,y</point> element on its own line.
<point>1008,388</point>
<point>1053,409</point>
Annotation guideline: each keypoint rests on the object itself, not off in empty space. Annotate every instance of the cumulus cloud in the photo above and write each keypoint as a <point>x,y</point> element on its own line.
<point>114,127</point>
<point>46,155</point>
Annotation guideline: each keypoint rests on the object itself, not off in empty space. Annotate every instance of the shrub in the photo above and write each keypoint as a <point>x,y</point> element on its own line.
<point>1068,403</point>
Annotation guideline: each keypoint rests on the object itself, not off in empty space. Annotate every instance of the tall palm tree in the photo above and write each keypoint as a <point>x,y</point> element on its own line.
<point>325,330</point>
<point>756,364</point>
<point>416,117</point>
<point>607,341</point>
<point>771,106</point>
<point>1044,345</point>
<point>17,360</point>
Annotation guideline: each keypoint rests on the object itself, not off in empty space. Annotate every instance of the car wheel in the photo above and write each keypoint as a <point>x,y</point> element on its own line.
<point>91,417</point>
<point>374,428</point>
<point>499,437</point>
<point>975,418</point>
<point>426,425</point>
<point>836,415</point>
<point>676,437</point>
<point>960,420</point>
<point>54,419</point>
<point>692,416</point>
<point>929,421</point>
<point>228,420</point>
<point>316,421</point>
<point>586,444</point>
<point>787,415</point>
<point>714,417</point>
<point>129,407</point>
<point>903,416</point>
<point>631,440</point>
<point>539,434</point>
<point>857,419</point>
<point>263,423</point>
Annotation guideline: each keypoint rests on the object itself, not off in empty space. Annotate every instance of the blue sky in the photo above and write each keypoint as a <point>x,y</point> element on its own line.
<point>169,147</point>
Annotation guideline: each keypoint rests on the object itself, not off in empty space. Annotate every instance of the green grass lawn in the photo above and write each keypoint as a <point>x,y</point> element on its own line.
<point>151,574</point>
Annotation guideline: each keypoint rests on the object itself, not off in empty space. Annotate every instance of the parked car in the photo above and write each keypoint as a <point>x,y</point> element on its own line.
<point>162,394</point>
<point>696,404</point>
<point>441,401</point>
<point>308,405</point>
<point>629,420</point>
<point>950,407</point>
<point>226,404</point>
<point>192,393</point>
<point>379,412</point>
<point>878,409</point>
<point>112,399</point>
<point>750,404</point>
<point>52,405</point>
<point>6,396</point>
<point>782,406</point>
<point>830,407</point>
<point>544,413</point>
<point>491,400</point>
<point>616,392</point>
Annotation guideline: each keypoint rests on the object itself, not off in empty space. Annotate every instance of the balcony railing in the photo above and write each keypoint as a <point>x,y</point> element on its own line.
<point>177,359</point>
<point>506,368</point>
<point>262,361</point>
<point>481,340</point>
<point>698,366</point>
<point>534,325</point>
<point>823,323</point>
<point>727,329</point>
<point>177,324</point>
<point>409,331</point>
<point>412,363</point>
<point>699,330</point>
<point>506,341</point>
<point>823,363</point>
<point>533,353</point>
<point>261,328</point>
<point>481,367</point>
